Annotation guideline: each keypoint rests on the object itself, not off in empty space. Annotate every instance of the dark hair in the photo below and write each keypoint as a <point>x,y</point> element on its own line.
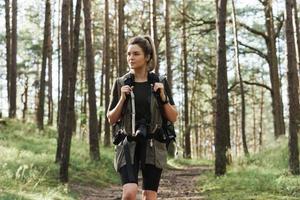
<point>147,45</point>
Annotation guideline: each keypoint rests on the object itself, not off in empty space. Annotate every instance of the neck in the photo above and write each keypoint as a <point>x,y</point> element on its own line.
<point>140,75</point>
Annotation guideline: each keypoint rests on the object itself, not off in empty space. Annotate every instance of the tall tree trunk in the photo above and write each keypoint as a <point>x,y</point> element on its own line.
<point>261,119</point>
<point>66,63</point>
<point>107,74</point>
<point>58,61</point>
<point>168,45</point>
<point>83,94</point>
<point>273,65</point>
<point>13,69</point>
<point>121,39</point>
<point>24,98</point>
<point>47,32</point>
<point>222,132</point>
<point>254,119</point>
<point>90,67</point>
<point>72,87</point>
<point>50,96</point>
<point>62,153</point>
<point>101,113</point>
<point>154,29</point>
<point>237,63</point>
<point>187,134</point>
<point>293,86</point>
<point>296,22</point>
<point>297,35</point>
<point>8,45</point>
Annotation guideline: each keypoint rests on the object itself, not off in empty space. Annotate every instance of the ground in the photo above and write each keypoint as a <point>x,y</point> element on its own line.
<point>176,184</point>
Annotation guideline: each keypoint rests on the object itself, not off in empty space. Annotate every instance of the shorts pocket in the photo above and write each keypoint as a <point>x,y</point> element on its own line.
<point>119,160</point>
<point>160,154</point>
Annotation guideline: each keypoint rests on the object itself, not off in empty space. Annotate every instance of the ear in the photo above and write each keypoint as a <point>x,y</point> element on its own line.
<point>148,58</point>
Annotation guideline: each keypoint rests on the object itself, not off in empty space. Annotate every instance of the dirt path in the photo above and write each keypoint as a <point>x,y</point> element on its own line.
<point>176,184</point>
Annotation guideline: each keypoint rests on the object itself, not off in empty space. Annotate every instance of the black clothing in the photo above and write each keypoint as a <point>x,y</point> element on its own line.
<point>151,174</point>
<point>142,97</point>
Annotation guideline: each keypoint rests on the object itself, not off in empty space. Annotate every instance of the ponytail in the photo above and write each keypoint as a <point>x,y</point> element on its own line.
<point>152,63</point>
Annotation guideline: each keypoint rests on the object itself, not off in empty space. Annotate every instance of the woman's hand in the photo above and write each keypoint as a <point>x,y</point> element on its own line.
<point>160,87</point>
<point>125,90</point>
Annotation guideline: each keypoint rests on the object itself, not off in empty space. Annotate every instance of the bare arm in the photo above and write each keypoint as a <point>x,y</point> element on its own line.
<point>114,115</point>
<point>170,111</point>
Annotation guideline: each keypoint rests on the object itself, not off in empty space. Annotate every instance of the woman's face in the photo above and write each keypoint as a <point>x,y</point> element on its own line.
<point>135,57</point>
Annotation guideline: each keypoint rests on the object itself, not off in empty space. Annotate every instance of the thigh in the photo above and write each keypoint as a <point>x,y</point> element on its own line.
<point>151,177</point>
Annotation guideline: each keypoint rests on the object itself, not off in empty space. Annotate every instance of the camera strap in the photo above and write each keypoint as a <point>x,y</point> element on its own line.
<point>133,113</point>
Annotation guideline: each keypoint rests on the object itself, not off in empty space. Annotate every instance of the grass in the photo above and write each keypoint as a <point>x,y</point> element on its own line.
<point>263,176</point>
<point>182,162</point>
<point>28,171</point>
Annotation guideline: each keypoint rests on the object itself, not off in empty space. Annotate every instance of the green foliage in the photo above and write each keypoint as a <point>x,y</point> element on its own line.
<point>28,171</point>
<point>262,176</point>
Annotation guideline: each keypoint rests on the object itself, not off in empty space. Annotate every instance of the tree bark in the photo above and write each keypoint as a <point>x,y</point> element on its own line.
<point>154,29</point>
<point>222,132</point>
<point>62,154</point>
<point>171,149</point>
<point>122,66</point>
<point>237,63</point>
<point>50,96</point>
<point>293,86</point>
<point>24,98</point>
<point>168,45</point>
<point>8,46</point>
<point>107,74</point>
<point>58,61</point>
<point>296,22</point>
<point>90,67</point>
<point>47,32</point>
<point>13,69</point>
<point>273,65</point>
<point>70,117</point>
<point>187,135</point>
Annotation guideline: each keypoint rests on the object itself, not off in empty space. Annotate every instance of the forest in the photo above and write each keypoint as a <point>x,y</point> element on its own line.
<point>233,69</point>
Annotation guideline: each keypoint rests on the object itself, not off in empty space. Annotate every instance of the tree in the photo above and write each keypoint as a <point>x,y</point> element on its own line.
<point>93,125</point>
<point>71,100</point>
<point>271,58</point>
<point>8,45</point>
<point>13,67</point>
<point>107,73</point>
<point>168,45</point>
<point>187,133</point>
<point>58,62</point>
<point>293,86</point>
<point>171,149</point>
<point>50,98</point>
<point>222,131</point>
<point>47,34</point>
<point>121,39</point>
<point>62,154</point>
<point>153,28</point>
<point>241,84</point>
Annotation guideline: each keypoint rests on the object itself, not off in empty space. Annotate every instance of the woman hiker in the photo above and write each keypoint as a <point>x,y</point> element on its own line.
<point>140,101</point>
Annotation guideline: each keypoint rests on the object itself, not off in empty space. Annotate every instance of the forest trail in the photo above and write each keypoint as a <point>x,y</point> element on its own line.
<point>176,184</point>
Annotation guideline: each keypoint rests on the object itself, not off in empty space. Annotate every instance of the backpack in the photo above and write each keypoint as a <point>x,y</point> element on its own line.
<point>168,130</point>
